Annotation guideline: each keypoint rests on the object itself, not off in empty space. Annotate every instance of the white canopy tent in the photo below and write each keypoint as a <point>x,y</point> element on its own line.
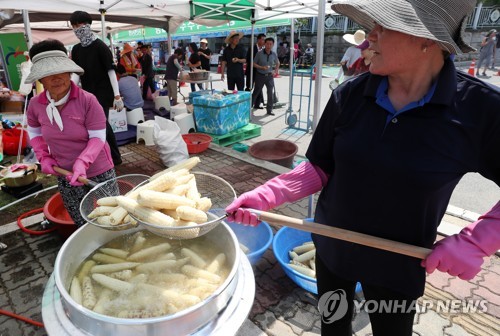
<point>169,14</point>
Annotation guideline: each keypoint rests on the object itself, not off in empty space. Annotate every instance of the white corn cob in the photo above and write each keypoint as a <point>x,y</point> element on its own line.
<point>168,256</point>
<point>145,214</point>
<point>292,254</point>
<point>138,242</point>
<point>104,220</point>
<point>150,252</point>
<point>303,248</point>
<point>113,284</point>
<point>244,248</point>
<point>75,291</point>
<point>303,270</point>
<point>114,252</point>
<point>104,298</point>
<point>109,268</point>
<point>129,220</point>
<point>101,211</point>
<point>179,190</point>
<point>85,270</point>
<point>184,179</point>
<point>196,272</point>
<point>160,200</point>
<point>204,204</point>
<point>191,214</point>
<point>156,266</point>
<point>124,275</point>
<point>168,277</point>
<point>192,192</point>
<point>196,260</point>
<point>217,263</point>
<point>107,259</point>
<point>89,299</point>
<point>303,258</point>
<point>186,164</point>
<point>164,182</point>
<point>117,216</point>
<point>171,213</point>
<point>107,201</point>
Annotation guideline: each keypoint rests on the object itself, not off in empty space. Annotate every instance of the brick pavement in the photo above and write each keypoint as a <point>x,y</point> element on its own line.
<point>280,307</point>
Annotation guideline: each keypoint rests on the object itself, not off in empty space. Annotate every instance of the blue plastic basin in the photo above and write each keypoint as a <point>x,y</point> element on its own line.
<point>284,241</point>
<point>256,238</point>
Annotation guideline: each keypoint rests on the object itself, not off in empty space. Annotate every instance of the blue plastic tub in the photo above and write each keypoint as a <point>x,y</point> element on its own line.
<point>256,238</point>
<point>284,241</point>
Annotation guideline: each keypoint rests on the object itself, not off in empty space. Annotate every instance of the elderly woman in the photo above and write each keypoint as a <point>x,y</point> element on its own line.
<point>66,125</point>
<point>389,149</point>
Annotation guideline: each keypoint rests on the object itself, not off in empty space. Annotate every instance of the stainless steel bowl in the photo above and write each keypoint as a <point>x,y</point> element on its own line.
<point>199,75</point>
<point>88,238</point>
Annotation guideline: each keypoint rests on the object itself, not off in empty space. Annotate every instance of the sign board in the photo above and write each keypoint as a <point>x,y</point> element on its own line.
<point>13,46</point>
<point>190,29</point>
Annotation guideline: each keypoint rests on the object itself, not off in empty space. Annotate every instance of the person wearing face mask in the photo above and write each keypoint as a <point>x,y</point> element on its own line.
<point>94,56</point>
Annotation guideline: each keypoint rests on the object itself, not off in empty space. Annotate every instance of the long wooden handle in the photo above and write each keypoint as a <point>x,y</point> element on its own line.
<point>81,179</point>
<point>342,234</point>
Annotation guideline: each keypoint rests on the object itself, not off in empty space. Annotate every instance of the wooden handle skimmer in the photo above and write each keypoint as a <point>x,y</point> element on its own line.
<point>81,179</point>
<point>342,234</point>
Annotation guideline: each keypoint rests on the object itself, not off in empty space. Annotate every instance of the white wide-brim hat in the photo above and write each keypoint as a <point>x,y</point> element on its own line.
<point>441,21</point>
<point>50,63</point>
<point>204,41</point>
<point>233,34</point>
<point>357,38</point>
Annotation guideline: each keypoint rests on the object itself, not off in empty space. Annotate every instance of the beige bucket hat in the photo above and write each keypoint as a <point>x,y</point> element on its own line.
<point>50,63</point>
<point>233,34</point>
<point>442,21</point>
<point>357,38</point>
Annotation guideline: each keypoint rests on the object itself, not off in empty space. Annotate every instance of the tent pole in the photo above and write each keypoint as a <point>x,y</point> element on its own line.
<point>27,28</point>
<point>102,10</point>
<point>169,38</point>
<point>320,41</point>
<point>290,83</point>
<point>250,69</point>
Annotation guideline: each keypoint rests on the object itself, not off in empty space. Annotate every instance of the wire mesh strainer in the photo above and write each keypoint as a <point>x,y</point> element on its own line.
<point>115,187</point>
<point>221,194</point>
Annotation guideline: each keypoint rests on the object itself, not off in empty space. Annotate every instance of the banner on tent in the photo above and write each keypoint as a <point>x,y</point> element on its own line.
<point>190,28</point>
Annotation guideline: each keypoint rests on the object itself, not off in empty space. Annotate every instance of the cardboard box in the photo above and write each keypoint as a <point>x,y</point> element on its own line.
<point>118,120</point>
<point>221,116</point>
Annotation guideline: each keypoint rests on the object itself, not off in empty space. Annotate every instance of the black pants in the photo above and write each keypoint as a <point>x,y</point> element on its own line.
<point>110,137</point>
<point>398,323</point>
<point>238,81</point>
<point>148,84</point>
<point>260,98</point>
<point>260,81</point>
<point>193,87</point>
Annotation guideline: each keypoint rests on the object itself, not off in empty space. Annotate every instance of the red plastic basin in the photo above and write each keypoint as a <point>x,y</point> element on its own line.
<point>56,213</point>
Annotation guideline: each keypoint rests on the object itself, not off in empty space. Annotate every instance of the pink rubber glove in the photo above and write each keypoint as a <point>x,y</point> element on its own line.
<point>304,180</point>
<point>462,254</point>
<point>84,160</point>
<point>43,155</point>
<point>79,169</point>
<point>47,163</point>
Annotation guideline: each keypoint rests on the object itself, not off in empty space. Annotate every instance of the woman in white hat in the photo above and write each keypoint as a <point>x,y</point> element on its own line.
<point>389,149</point>
<point>351,54</point>
<point>66,125</point>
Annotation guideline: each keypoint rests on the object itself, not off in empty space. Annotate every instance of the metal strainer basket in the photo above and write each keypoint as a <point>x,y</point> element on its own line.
<point>115,187</point>
<point>218,190</point>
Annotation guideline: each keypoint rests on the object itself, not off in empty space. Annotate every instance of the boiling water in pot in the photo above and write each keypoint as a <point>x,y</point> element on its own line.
<point>142,275</point>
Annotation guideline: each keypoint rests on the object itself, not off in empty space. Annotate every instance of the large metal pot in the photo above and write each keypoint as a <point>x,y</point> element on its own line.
<point>19,178</point>
<point>88,238</point>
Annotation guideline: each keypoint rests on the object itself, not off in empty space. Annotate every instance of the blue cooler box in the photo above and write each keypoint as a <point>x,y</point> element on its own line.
<point>221,116</point>
<point>198,93</point>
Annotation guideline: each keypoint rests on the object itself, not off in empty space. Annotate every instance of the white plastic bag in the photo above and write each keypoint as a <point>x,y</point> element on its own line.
<point>171,147</point>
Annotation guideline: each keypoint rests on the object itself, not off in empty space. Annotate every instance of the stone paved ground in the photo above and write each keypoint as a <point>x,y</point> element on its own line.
<point>280,307</point>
